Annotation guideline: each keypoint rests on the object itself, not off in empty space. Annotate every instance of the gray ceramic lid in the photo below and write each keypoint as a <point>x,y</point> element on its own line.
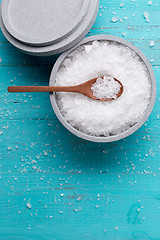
<point>61,46</point>
<point>39,22</point>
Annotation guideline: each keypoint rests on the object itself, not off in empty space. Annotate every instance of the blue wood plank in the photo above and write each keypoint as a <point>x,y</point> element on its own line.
<point>77,189</point>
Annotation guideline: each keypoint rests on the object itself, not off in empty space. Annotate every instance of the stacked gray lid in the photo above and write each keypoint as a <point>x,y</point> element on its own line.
<point>49,27</point>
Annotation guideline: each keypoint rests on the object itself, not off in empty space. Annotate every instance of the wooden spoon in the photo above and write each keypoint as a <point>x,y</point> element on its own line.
<point>84,88</point>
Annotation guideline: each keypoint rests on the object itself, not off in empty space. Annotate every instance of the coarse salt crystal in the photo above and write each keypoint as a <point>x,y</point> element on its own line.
<point>88,48</point>
<point>105,88</point>
<point>29,205</point>
<point>114,19</point>
<point>124,34</point>
<point>97,206</point>
<point>146,16</point>
<point>152,43</point>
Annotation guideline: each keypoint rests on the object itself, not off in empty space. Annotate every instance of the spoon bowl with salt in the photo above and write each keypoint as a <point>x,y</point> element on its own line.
<point>101,88</point>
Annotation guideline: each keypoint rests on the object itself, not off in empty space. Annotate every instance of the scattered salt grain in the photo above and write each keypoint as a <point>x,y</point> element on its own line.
<point>114,19</point>
<point>146,16</point>
<point>79,199</point>
<point>121,4</point>
<point>29,205</point>
<point>105,88</point>
<point>105,151</point>
<point>78,209</point>
<point>152,44</point>
<point>104,118</point>
<point>124,34</point>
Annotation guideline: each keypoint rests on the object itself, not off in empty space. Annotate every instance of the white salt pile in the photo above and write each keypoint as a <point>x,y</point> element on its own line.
<point>106,88</point>
<point>98,59</point>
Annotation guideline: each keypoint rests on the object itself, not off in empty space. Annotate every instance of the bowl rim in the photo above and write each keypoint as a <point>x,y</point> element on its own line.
<point>134,127</point>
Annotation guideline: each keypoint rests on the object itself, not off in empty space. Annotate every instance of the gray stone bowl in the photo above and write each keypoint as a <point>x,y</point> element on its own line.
<point>130,130</point>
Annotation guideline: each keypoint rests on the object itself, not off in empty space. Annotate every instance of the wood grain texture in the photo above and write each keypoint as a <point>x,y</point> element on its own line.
<point>77,189</point>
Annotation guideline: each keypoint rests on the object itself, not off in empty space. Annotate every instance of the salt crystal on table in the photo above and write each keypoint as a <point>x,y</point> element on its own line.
<point>124,34</point>
<point>78,210</point>
<point>146,16</point>
<point>114,19</point>
<point>152,43</point>
<point>78,199</point>
<point>97,206</point>
<point>29,205</point>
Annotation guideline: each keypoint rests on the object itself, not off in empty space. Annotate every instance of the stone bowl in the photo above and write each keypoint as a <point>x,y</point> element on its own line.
<point>134,127</point>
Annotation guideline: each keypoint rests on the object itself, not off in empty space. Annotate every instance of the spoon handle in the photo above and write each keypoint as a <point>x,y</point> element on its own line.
<point>42,89</point>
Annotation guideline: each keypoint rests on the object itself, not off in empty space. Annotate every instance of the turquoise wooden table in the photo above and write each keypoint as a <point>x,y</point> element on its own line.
<point>55,186</point>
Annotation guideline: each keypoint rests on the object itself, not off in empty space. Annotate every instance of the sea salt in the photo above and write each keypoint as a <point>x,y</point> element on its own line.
<point>105,88</point>
<point>124,34</point>
<point>104,58</point>
<point>146,16</point>
<point>152,43</point>
<point>114,19</point>
<point>29,205</point>
<point>121,4</point>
